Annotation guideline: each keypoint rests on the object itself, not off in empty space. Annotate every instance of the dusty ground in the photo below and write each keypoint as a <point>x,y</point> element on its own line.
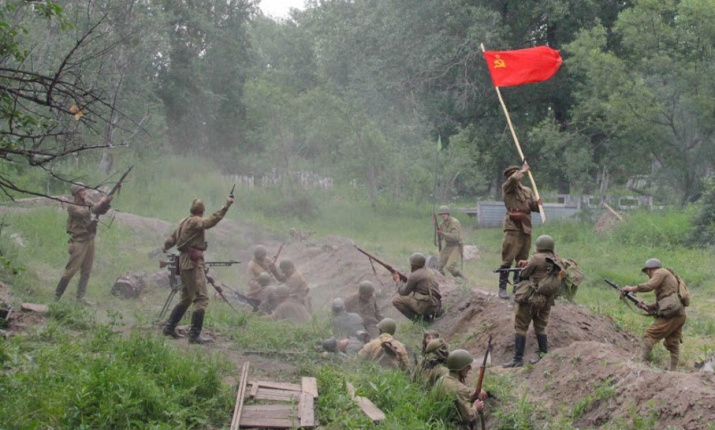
<point>591,363</point>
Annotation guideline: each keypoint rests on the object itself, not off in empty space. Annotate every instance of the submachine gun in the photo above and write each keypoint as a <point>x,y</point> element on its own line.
<point>174,281</point>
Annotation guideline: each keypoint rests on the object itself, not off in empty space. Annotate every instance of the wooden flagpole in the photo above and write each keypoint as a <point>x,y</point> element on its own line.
<point>518,148</point>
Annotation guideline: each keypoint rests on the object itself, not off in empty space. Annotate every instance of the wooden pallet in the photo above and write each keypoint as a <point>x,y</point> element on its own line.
<point>295,410</point>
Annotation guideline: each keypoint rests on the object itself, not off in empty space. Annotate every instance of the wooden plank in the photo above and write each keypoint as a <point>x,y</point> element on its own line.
<point>369,408</point>
<point>306,410</point>
<point>31,307</point>
<point>254,391</point>
<point>269,411</point>
<point>278,385</point>
<point>351,389</point>
<point>277,395</point>
<point>235,421</point>
<point>276,423</point>
<point>309,385</point>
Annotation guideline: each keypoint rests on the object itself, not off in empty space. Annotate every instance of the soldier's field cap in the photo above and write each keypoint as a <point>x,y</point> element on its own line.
<point>511,169</point>
<point>76,188</point>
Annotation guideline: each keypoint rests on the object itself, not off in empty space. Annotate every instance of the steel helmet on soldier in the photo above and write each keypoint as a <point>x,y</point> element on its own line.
<point>366,288</point>
<point>443,210</point>
<point>387,325</point>
<point>439,347</point>
<point>76,188</point>
<point>652,263</point>
<point>286,265</point>
<point>337,305</point>
<point>264,279</point>
<point>458,360</point>
<point>418,259</point>
<point>545,243</point>
<point>259,251</point>
<point>330,345</point>
<point>197,207</point>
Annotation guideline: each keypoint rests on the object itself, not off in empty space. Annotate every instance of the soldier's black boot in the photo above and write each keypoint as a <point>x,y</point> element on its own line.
<point>519,345</point>
<point>61,287</point>
<point>543,347</point>
<point>197,323</point>
<point>82,290</point>
<point>503,280</point>
<point>174,318</point>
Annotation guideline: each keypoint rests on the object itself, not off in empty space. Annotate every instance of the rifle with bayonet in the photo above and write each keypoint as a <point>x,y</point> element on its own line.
<point>403,278</point>
<point>437,236</point>
<point>631,296</point>
<point>480,380</point>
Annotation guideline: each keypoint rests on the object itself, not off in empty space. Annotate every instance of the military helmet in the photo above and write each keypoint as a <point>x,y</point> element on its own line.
<point>197,207</point>
<point>285,265</point>
<point>387,325</point>
<point>443,210</point>
<point>76,188</point>
<point>259,251</point>
<point>459,359</point>
<point>438,347</point>
<point>282,292</point>
<point>264,279</point>
<point>366,288</point>
<point>652,263</point>
<point>418,259</point>
<point>545,243</point>
<point>330,345</point>
<point>337,305</point>
<point>511,169</point>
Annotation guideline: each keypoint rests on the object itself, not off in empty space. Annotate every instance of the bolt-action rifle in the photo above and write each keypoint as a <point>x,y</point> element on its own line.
<point>115,189</point>
<point>275,257</point>
<point>630,296</point>
<point>403,278</point>
<point>437,236</point>
<point>220,292</point>
<point>480,379</point>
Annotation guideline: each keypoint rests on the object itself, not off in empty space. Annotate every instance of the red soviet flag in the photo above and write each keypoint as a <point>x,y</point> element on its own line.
<point>522,66</point>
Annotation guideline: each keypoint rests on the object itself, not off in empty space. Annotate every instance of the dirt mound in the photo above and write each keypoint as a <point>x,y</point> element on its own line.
<point>605,385</point>
<point>472,320</point>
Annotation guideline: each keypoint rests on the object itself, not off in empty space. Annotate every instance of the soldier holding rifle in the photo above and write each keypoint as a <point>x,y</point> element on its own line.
<point>189,239</point>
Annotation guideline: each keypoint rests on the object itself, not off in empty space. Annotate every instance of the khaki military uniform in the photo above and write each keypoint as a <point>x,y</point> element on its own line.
<point>291,310</point>
<point>451,254</point>
<point>461,394</point>
<point>429,369</point>
<point>82,230</point>
<point>253,270</point>
<point>535,270</point>
<point>663,284</point>
<point>375,351</point>
<point>519,202</point>
<point>347,324</point>
<point>298,287</point>
<point>367,309</point>
<point>190,239</point>
<point>419,296</point>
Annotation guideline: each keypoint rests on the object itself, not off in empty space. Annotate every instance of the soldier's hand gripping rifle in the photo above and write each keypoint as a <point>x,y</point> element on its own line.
<point>104,206</point>
<point>437,236</point>
<point>630,296</point>
<point>403,278</point>
<point>480,380</point>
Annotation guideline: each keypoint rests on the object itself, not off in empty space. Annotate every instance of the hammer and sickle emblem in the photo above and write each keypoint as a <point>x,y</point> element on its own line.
<point>499,63</point>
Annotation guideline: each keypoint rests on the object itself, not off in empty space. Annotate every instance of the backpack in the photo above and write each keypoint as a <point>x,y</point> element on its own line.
<point>572,279</point>
<point>683,291</point>
<point>552,282</point>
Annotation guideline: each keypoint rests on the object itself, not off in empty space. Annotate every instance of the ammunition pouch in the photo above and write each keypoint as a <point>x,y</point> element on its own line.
<point>669,306</point>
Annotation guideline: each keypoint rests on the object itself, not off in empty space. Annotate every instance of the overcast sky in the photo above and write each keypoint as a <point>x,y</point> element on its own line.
<point>280,8</point>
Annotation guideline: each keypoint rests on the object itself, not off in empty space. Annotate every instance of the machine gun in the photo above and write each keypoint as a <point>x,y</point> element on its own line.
<point>403,278</point>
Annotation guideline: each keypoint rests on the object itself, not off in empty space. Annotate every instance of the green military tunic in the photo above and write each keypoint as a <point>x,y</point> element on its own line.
<point>429,369</point>
<point>190,239</point>
<point>663,283</point>
<point>519,202</point>
<point>419,296</point>
<point>456,390</point>
<point>299,287</point>
<point>367,309</point>
<point>535,270</point>
<point>452,251</point>
<point>253,270</point>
